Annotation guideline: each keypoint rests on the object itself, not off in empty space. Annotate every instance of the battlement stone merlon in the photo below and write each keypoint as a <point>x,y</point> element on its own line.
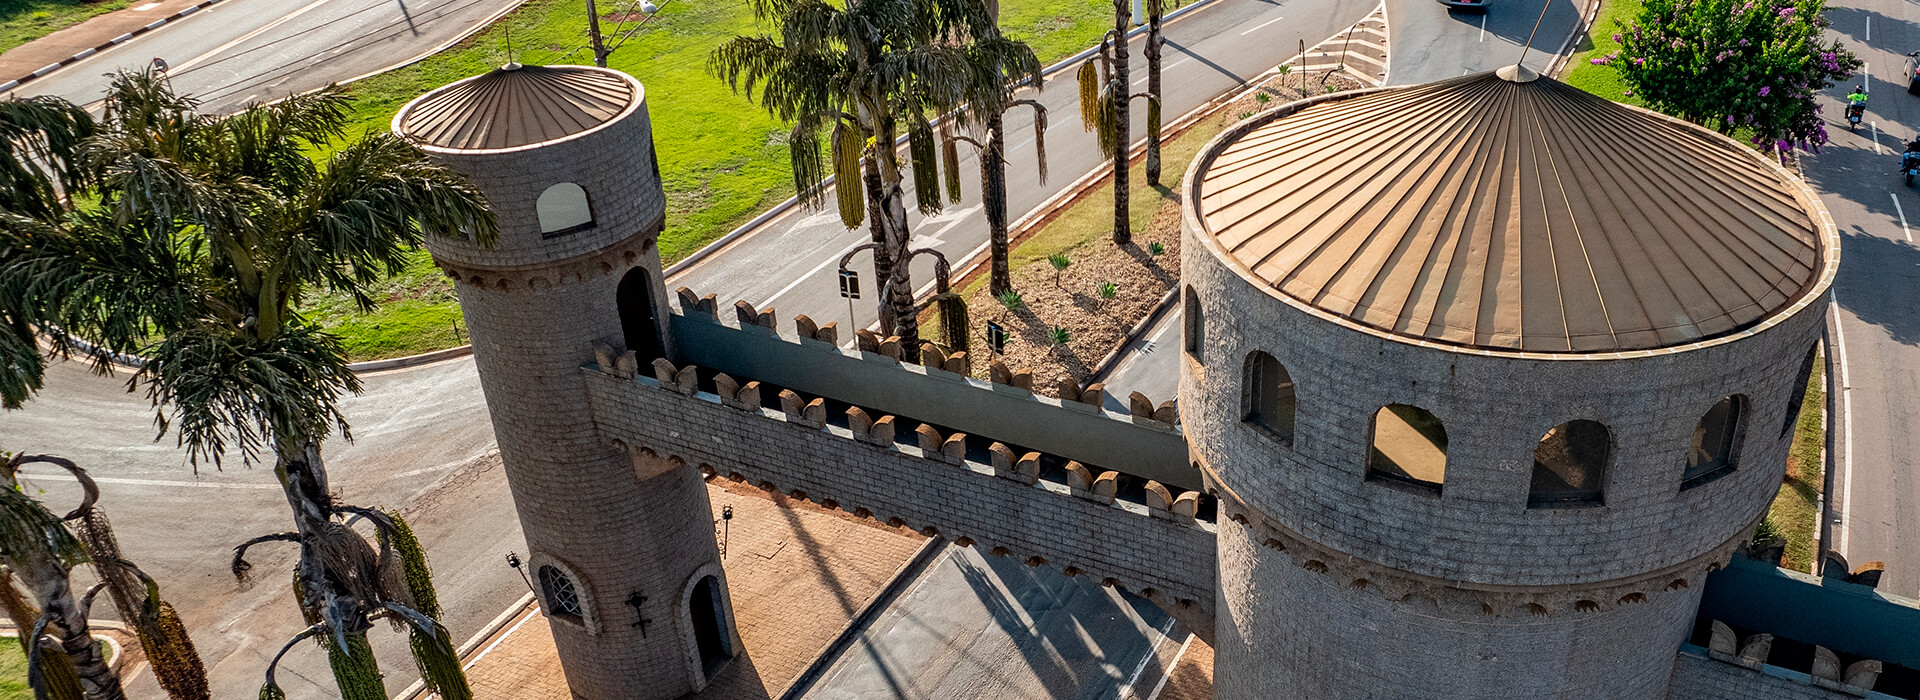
<point>1144,442</point>
<point>1158,549</point>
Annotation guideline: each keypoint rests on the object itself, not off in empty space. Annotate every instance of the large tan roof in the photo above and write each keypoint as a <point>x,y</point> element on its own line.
<point>517,106</point>
<point>1525,216</point>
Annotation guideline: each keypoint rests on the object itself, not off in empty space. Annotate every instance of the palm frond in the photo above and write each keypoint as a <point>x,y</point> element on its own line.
<point>226,390</point>
<point>950,158</point>
<point>40,138</point>
<point>1090,95</point>
<point>849,146</point>
<point>924,152</point>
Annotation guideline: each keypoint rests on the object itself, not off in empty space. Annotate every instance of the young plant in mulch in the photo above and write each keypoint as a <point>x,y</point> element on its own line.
<point>1155,249</point>
<point>1060,262</point>
<point>1058,335</point>
<point>1106,292</point>
<point>1010,300</point>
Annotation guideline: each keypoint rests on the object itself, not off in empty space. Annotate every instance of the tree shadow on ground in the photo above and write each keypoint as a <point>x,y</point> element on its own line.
<point>1871,266</point>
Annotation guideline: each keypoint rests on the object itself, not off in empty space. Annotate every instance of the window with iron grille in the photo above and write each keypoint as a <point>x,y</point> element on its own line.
<point>562,597</point>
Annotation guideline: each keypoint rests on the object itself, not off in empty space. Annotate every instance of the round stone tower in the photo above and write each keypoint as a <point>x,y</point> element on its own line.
<point>622,552</point>
<point>1487,374</point>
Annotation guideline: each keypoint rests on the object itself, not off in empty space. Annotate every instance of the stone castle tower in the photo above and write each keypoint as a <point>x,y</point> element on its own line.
<point>1487,374</point>
<point>622,548</point>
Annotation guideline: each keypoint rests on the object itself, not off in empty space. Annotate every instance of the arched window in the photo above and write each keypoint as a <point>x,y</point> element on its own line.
<point>1716,440</point>
<point>634,298</point>
<point>1195,322</point>
<point>563,209</point>
<point>1409,448</point>
<point>709,630</point>
<point>1267,396</point>
<point>1570,466</point>
<point>1798,397</point>
<point>563,600</point>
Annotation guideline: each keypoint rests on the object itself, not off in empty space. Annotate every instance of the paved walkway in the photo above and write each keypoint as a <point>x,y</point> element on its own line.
<point>797,573</point>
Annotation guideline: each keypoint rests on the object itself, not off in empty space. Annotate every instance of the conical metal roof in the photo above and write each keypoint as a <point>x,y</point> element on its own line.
<point>1511,214</point>
<point>517,105</point>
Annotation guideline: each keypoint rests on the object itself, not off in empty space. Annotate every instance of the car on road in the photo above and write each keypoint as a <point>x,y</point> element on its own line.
<point>1467,5</point>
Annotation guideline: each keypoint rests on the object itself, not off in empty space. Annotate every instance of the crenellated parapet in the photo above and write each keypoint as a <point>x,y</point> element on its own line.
<point>1011,500</point>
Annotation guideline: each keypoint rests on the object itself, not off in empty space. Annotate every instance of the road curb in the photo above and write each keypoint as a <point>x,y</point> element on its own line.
<point>43,71</point>
<point>1106,364</point>
<point>493,627</point>
<point>410,360</point>
<point>769,215</point>
<point>908,573</point>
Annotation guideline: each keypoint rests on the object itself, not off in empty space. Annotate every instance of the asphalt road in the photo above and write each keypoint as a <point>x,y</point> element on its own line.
<point>1874,332</point>
<point>423,443</point>
<point>244,51</point>
<point>976,626</point>
<point>790,262</point>
<point>1429,42</point>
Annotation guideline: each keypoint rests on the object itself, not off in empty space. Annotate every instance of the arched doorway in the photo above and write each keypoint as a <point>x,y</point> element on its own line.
<point>637,320</point>
<point>709,628</point>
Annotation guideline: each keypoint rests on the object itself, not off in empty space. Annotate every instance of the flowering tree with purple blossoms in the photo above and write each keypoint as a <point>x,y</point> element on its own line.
<point>1735,64</point>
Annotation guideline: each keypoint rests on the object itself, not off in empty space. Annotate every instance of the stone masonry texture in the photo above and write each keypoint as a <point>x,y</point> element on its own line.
<point>536,308</point>
<point>1697,677</point>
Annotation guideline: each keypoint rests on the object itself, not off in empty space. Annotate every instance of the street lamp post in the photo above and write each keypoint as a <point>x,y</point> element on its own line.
<point>600,48</point>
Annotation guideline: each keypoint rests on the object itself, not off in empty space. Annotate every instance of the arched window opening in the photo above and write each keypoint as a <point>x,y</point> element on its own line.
<point>563,600</point>
<point>708,631</point>
<point>1268,396</point>
<point>1797,398</point>
<point>1409,448</point>
<point>1716,440</point>
<point>1195,323</point>
<point>563,209</point>
<point>637,322</point>
<point>1570,466</point>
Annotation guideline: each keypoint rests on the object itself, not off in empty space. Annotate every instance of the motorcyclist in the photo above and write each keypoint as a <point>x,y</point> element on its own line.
<point>1913,151</point>
<point>1857,101</point>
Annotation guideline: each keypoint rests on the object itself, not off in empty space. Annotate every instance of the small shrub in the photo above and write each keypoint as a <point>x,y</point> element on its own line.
<point>1107,290</point>
<point>1011,299</point>
<point>1244,115</point>
<point>1059,261</point>
<point>1058,335</point>
<point>1262,97</point>
<point>1155,248</point>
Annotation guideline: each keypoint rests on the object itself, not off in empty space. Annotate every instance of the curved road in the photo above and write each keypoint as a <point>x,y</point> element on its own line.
<point>242,51</point>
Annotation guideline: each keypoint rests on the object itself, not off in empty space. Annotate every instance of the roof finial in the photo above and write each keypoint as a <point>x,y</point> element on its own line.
<point>1519,73</point>
<point>511,64</point>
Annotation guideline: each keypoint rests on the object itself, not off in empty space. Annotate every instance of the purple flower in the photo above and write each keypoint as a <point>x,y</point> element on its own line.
<point>1786,12</point>
<point>1598,61</point>
<point>1639,62</point>
<point>1764,91</point>
<point>1616,37</point>
<point>1729,119</point>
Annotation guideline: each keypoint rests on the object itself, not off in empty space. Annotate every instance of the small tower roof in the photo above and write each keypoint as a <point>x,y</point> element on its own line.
<point>516,105</point>
<point>1511,212</point>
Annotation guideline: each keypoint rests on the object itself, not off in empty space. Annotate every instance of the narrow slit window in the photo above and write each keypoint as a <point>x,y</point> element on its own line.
<point>1713,453</point>
<point>1409,448</point>
<point>1268,396</point>
<point>1195,323</point>
<point>1570,466</point>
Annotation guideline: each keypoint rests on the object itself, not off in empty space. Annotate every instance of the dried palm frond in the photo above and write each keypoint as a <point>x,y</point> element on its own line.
<point>950,159</point>
<point>924,152</point>
<point>849,186</point>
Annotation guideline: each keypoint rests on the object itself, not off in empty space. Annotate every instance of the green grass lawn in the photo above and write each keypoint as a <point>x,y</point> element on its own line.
<point>723,160</point>
<point>1796,510</point>
<point>1603,80</point>
<point>13,671</point>
<point>22,21</point>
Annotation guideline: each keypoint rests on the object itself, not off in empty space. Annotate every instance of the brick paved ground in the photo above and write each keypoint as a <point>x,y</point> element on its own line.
<point>797,572</point>
<point>1192,675</point>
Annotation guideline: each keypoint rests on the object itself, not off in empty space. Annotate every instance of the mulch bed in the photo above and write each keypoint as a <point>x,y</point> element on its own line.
<point>1096,326</point>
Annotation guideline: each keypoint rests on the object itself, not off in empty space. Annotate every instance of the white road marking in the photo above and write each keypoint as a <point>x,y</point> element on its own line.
<point>1262,25</point>
<point>1869,28</point>
<point>835,258</point>
<point>249,35</point>
<point>1483,27</point>
<point>496,642</point>
<point>1846,419</point>
<point>1866,77</point>
<point>1903,216</point>
<point>1164,677</point>
<point>1139,668</point>
<point>1876,138</point>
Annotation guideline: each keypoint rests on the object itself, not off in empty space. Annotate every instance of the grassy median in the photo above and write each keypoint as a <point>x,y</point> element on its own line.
<point>1795,514</point>
<point>22,21</point>
<point>1603,80</point>
<point>723,160</point>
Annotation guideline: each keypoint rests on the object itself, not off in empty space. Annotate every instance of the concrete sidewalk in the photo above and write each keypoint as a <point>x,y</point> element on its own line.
<point>20,63</point>
<point>797,573</point>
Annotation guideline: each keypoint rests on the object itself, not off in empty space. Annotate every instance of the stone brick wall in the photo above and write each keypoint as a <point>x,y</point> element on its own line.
<point>1156,552</point>
<point>1696,677</point>
<point>1495,410</point>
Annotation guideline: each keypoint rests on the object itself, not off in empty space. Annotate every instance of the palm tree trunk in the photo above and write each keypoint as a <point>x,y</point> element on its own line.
<point>993,194</point>
<point>68,624</point>
<point>1153,90</point>
<point>1120,93</point>
<point>330,598</point>
<point>883,258</point>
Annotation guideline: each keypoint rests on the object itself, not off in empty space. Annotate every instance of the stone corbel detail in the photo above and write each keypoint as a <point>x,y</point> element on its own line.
<point>613,259</point>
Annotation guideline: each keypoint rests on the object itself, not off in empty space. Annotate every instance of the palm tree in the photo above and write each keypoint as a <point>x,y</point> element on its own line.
<point>40,552</point>
<point>208,230</point>
<point>39,138</point>
<point>1152,50</point>
<point>993,164</point>
<point>1104,108</point>
<point>860,74</point>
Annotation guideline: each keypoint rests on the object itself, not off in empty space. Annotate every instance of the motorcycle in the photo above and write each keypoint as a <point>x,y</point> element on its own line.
<point>1854,113</point>
<point>1910,164</point>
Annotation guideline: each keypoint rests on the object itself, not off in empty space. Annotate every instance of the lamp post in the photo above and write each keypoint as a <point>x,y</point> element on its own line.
<point>600,48</point>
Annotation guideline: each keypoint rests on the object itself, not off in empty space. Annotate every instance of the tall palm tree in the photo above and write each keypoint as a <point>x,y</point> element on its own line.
<point>1105,107</point>
<point>993,164</point>
<point>39,142</point>
<point>1155,11</point>
<point>208,230</point>
<point>40,552</point>
<point>860,74</point>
